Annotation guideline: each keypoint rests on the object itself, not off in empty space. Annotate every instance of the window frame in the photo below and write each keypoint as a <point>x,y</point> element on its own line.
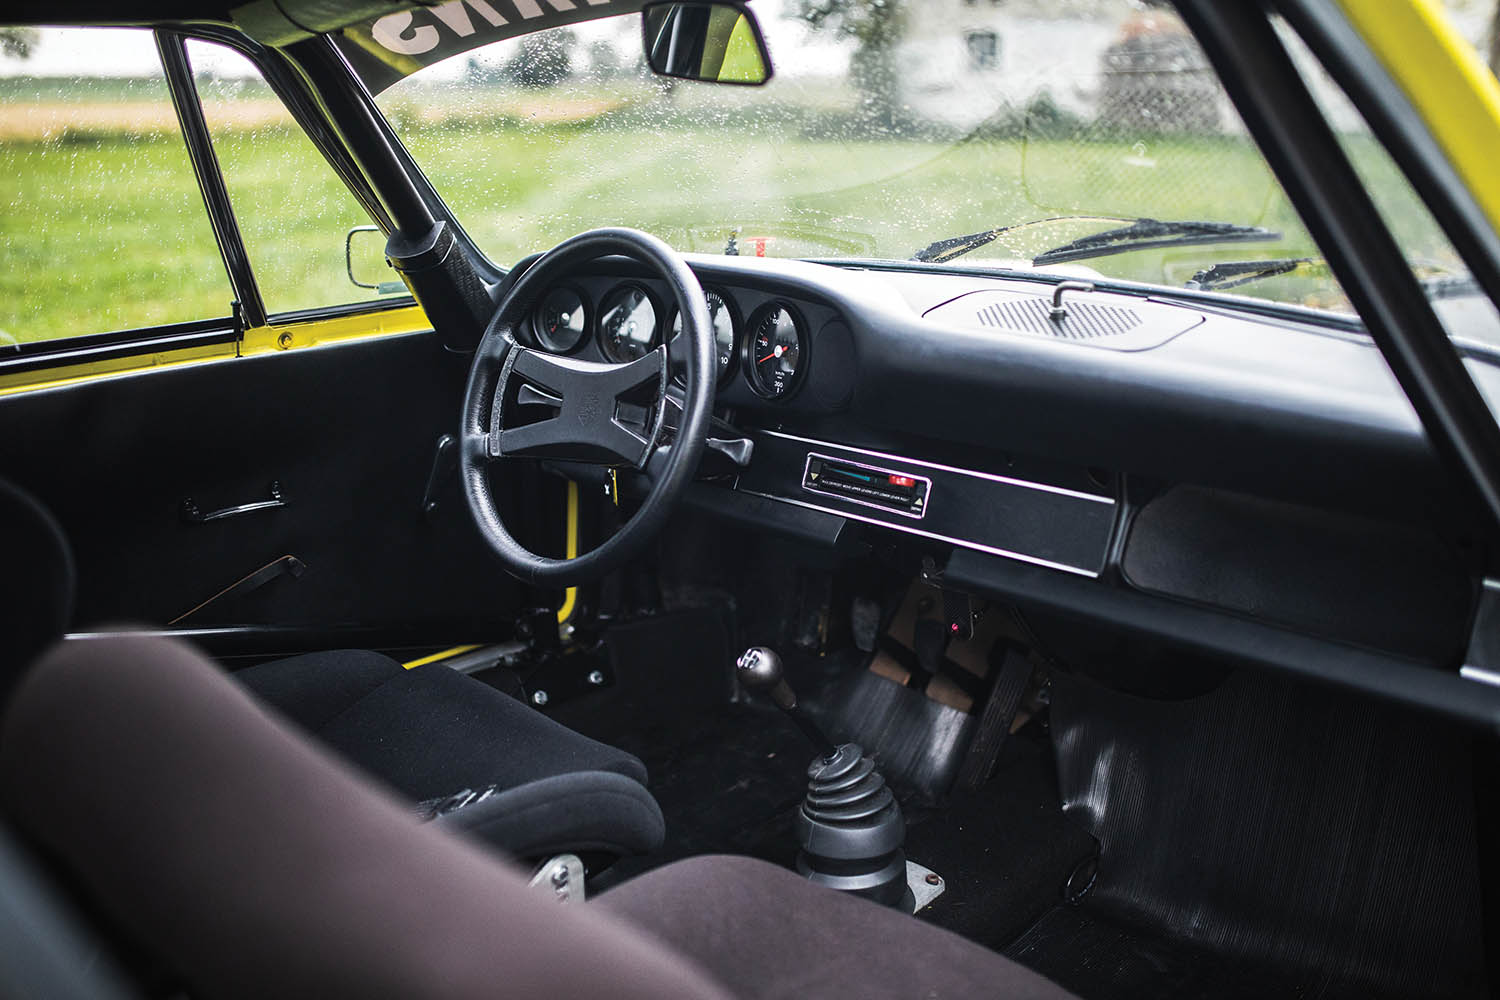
<point>245,310</point>
<point>90,347</point>
<point>322,62</point>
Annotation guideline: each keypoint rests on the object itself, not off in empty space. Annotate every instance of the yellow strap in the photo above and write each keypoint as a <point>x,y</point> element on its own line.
<point>570,597</point>
<point>445,654</point>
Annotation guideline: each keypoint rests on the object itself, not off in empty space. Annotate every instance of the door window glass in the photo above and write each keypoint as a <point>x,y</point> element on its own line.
<point>102,226</point>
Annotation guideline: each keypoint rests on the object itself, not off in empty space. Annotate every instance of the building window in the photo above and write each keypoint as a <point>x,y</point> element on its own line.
<point>984,49</point>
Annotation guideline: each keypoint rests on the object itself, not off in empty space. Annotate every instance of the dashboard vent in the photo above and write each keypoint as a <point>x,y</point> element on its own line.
<point>1084,320</point>
<point>1098,319</point>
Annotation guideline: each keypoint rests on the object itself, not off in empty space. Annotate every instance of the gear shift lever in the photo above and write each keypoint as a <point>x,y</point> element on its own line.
<point>850,826</point>
<point>759,668</point>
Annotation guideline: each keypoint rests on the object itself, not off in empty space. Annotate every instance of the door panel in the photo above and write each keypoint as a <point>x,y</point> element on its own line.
<point>348,431</point>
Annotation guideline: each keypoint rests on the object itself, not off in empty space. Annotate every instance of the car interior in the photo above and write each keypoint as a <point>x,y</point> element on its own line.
<point>645,621</point>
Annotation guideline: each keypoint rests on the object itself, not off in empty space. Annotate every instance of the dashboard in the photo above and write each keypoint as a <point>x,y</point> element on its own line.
<point>1205,452</point>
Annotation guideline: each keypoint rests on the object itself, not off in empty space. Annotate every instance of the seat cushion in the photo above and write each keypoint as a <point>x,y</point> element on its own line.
<point>430,732</point>
<point>582,812</point>
<point>768,934</point>
<point>433,730</point>
<point>313,689</point>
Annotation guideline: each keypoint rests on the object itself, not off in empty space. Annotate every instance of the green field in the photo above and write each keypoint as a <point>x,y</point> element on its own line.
<point>102,232</point>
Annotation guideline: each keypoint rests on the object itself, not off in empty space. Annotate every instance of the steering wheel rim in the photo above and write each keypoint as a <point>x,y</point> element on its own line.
<point>588,394</point>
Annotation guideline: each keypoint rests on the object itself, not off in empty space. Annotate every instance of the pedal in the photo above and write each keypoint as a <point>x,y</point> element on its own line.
<point>959,615</point>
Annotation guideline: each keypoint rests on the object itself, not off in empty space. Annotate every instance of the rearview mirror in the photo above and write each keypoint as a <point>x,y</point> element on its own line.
<point>712,42</point>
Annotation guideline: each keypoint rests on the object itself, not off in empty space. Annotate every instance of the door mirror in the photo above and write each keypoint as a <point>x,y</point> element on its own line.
<point>713,42</point>
<point>372,268</point>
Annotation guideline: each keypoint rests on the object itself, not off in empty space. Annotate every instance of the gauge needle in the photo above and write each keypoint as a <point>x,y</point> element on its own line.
<point>774,354</point>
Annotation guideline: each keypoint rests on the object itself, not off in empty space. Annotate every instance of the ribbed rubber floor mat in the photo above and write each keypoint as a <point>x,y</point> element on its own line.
<point>1101,960</point>
<point>1324,840</point>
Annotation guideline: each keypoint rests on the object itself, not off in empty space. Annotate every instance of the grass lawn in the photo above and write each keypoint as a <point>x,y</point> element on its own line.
<point>101,232</point>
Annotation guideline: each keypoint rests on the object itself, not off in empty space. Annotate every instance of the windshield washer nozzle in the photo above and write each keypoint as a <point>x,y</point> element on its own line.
<point>1058,310</point>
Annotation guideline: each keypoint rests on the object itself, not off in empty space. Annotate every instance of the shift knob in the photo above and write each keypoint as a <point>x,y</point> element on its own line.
<point>850,827</point>
<point>760,669</point>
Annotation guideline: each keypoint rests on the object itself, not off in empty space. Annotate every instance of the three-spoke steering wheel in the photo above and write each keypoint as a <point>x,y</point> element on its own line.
<point>525,403</point>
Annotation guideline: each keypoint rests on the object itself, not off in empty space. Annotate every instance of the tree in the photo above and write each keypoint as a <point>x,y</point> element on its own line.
<point>876,26</point>
<point>604,59</point>
<point>544,60</point>
<point>17,43</point>
<point>1495,41</point>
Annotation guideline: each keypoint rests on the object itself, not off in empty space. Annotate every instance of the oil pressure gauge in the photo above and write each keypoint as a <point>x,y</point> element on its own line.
<point>561,320</point>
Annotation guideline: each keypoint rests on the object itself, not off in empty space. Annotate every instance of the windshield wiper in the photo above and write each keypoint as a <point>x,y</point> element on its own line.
<point>1136,234</point>
<point>1233,273</point>
<point>957,246</point>
<point>1143,234</point>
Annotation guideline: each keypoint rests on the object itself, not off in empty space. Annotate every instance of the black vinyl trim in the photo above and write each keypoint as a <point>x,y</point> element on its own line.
<point>1297,142</point>
<point>344,309</point>
<point>104,347</point>
<point>289,640</point>
<point>252,311</point>
<point>1225,636</point>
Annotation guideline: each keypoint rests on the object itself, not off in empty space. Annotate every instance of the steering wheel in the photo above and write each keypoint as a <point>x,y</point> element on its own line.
<point>587,400</point>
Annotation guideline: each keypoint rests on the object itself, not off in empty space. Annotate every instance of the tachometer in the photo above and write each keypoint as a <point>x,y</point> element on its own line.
<point>776,351</point>
<point>627,324</point>
<point>725,335</point>
<point>561,320</point>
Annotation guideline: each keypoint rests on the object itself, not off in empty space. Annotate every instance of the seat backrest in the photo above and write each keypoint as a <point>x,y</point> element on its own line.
<point>37,582</point>
<point>256,865</point>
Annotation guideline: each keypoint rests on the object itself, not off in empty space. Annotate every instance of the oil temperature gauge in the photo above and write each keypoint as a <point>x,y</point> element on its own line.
<point>776,351</point>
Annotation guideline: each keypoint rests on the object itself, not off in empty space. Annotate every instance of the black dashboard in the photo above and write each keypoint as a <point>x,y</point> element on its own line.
<point>960,411</point>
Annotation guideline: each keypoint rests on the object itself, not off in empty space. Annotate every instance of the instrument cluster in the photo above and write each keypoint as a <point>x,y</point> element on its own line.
<point>629,319</point>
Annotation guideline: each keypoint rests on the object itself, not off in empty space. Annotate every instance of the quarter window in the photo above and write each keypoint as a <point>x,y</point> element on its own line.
<point>292,209</point>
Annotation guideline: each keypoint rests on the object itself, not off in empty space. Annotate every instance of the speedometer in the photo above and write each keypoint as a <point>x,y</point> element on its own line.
<point>776,351</point>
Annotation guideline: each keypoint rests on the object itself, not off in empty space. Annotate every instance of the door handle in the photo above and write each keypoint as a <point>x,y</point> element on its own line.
<point>194,515</point>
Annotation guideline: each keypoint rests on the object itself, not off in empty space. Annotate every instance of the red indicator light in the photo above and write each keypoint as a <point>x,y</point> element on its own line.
<point>901,480</point>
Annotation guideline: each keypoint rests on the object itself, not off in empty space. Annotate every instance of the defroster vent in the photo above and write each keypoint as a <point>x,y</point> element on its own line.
<point>1099,319</point>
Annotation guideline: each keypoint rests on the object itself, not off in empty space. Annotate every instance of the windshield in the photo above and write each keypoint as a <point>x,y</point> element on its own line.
<point>1006,134</point>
